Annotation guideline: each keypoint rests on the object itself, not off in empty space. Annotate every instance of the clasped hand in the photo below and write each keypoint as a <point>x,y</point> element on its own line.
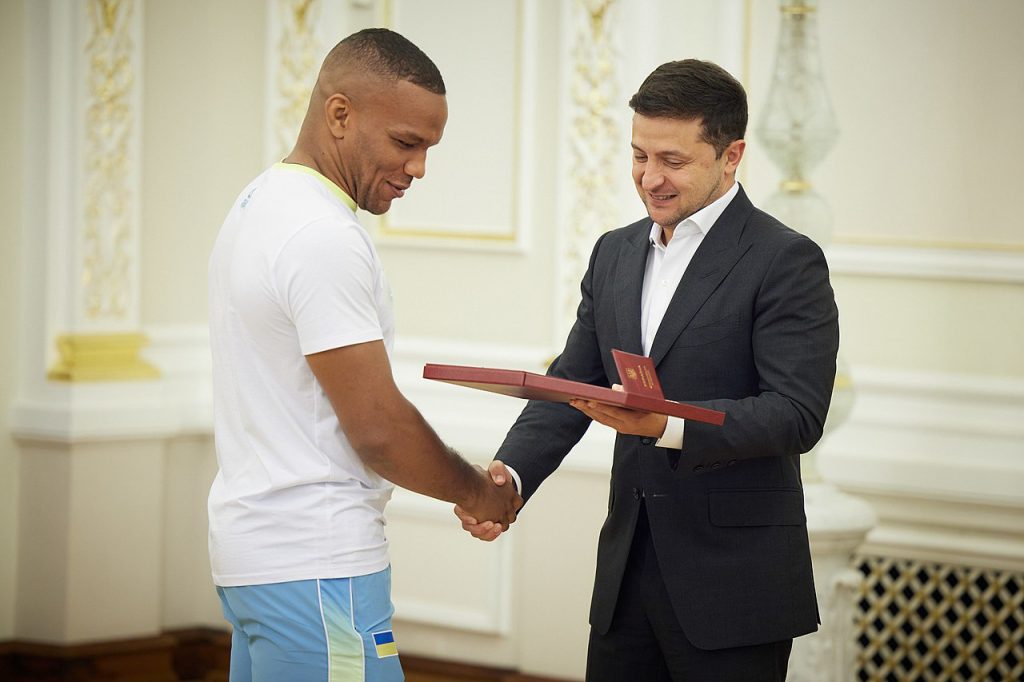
<point>494,507</point>
<point>485,525</point>
<point>478,523</point>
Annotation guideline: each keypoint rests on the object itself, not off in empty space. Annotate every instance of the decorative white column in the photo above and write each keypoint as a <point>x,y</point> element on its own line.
<point>590,169</point>
<point>798,129</point>
<point>91,459</point>
<point>294,57</point>
<point>94,106</point>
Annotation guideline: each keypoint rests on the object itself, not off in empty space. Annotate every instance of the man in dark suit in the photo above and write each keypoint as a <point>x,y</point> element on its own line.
<point>703,568</point>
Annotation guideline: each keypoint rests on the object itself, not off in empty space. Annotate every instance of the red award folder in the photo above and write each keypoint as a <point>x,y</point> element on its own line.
<point>636,372</point>
<point>542,387</point>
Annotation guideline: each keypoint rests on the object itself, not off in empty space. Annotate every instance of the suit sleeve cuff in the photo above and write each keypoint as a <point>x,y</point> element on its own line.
<point>673,436</point>
<point>515,479</point>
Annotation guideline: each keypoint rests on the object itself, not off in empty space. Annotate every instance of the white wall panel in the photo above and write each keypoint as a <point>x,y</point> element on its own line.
<point>472,187</point>
<point>496,289</point>
<point>441,576</point>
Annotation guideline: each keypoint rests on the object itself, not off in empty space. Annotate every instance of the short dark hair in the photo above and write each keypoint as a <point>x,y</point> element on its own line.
<point>693,89</point>
<point>389,55</point>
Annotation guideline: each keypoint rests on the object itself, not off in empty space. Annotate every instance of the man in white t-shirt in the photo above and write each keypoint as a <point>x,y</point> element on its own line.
<point>311,431</point>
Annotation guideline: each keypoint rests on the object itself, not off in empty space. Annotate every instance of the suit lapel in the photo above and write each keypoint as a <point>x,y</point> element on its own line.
<point>629,283</point>
<point>717,254</point>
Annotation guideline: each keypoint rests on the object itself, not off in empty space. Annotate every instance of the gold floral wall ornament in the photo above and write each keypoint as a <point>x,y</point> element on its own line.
<point>299,51</point>
<point>109,198</point>
<point>593,138</point>
<point>597,9</point>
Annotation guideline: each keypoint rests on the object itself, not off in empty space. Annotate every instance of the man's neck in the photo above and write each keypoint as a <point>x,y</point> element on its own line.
<point>301,157</point>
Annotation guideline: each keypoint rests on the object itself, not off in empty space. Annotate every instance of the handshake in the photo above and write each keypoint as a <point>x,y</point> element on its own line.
<point>493,506</point>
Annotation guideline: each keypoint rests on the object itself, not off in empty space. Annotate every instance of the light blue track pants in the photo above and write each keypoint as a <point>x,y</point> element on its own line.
<point>336,630</point>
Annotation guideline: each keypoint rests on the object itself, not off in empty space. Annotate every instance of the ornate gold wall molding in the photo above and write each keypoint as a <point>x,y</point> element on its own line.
<point>93,197</point>
<point>594,137</point>
<point>109,207</point>
<point>297,52</point>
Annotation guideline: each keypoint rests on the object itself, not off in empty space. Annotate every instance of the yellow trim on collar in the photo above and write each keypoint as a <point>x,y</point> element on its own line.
<point>339,192</point>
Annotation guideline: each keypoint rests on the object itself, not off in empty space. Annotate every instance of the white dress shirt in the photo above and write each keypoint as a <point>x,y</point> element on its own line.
<point>666,264</point>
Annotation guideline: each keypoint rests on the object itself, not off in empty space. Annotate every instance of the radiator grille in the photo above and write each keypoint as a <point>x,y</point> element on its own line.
<point>938,622</point>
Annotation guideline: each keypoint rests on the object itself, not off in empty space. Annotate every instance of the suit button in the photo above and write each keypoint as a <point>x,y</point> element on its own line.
<point>699,468</point>
<point>638,493</point>
<point>716,465</point>
<point>646,441</point>
<point>732,462</point>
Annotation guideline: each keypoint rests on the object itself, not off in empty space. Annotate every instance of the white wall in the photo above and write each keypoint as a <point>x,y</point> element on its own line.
<point>203,85</point>
<point>925,95</point>
<point>918,184</point>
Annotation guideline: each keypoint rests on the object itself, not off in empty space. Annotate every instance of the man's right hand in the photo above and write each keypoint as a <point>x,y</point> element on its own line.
<point>498,491</point>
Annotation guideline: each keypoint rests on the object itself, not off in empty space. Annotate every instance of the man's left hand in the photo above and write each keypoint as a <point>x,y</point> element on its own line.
<point>623,420</point>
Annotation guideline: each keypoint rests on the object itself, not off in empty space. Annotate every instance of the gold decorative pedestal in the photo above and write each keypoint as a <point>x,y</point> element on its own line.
<point>101,357</point>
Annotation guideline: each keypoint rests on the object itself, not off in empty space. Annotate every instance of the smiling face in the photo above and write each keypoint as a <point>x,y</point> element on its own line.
<point>384,146</point>
<point>675,171</point>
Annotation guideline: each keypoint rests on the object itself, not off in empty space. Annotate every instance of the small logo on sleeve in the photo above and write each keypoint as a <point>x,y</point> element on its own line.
<point>385,644</point>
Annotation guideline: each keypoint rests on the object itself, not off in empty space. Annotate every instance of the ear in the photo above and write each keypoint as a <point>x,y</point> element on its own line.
<point>733,153</point>
<point>338,114</point>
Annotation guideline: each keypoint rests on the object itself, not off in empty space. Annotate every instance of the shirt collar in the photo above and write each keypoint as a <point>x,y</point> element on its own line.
<point>702,220</point>
<point>331,187</point>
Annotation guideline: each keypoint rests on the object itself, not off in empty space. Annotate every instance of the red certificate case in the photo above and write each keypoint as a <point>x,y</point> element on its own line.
<point>542,387</point>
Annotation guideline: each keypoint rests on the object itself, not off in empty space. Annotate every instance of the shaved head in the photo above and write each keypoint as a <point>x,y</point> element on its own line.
<point>368,63</point>
<point>384,55</point>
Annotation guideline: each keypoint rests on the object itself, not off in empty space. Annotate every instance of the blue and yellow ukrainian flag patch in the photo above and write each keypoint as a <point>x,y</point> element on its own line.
<point>385,643</point>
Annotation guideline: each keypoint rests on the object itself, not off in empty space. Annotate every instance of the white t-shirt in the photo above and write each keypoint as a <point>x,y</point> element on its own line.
<point>292,273</point>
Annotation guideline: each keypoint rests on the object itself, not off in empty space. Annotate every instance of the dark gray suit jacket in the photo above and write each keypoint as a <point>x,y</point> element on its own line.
<point>751,330</point>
